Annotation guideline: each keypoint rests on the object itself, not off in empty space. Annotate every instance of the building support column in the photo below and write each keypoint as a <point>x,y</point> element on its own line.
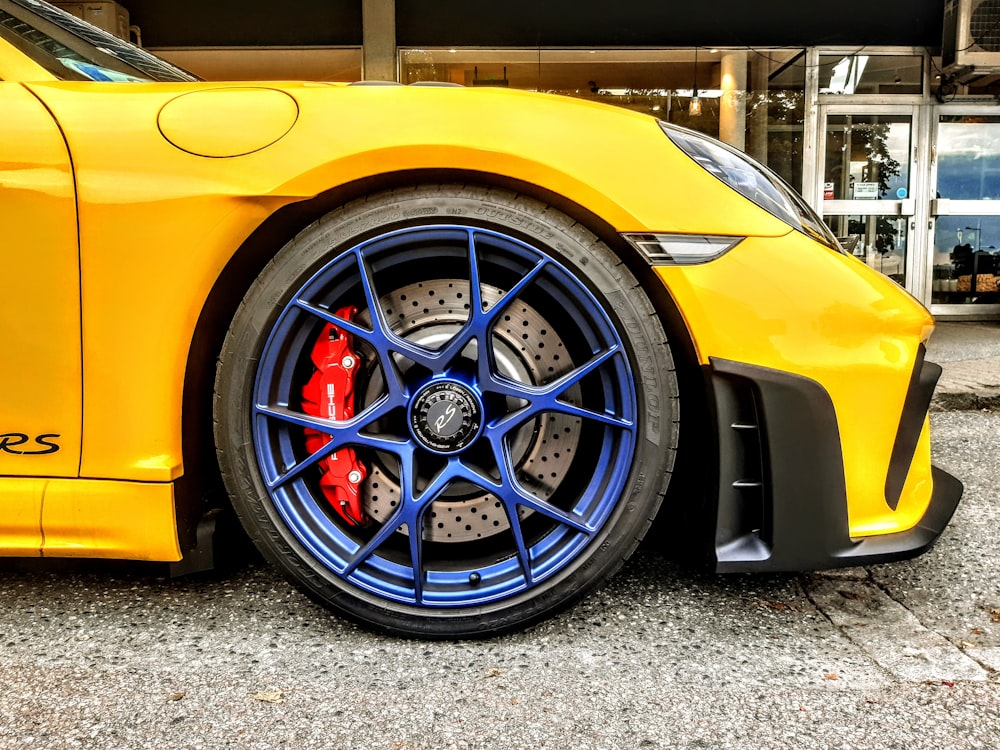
<point>811,168</point>
<point>378,24</point>
<point>733,106</point>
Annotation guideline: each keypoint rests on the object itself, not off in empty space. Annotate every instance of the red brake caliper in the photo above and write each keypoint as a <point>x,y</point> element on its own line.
<point>330,394</point>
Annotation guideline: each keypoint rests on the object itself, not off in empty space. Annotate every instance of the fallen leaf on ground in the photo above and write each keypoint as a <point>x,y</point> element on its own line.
<point>271,696</point>
<point>175,696</point>
<point>851,595</point>
<point>780,606</point>
<point>831,676</point>
<point>492,672</point>
<point>977,631</point>
<point>994,614</point>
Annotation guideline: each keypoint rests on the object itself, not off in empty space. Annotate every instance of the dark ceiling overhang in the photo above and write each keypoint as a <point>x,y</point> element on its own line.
<point>666,24</point>
<point>246,23</point>
<point>548,23</point>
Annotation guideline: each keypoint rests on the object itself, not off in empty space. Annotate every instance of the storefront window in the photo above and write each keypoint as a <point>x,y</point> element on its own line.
<point>867,157</point>
<point>968,153</point>
<point>966,260</point>
<point>871,74</point>
<point>776,95</point>
<point>268,64</point>
<point>753,100</point>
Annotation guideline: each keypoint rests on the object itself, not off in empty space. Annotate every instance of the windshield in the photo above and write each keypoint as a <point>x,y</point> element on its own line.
<point>73,49</point>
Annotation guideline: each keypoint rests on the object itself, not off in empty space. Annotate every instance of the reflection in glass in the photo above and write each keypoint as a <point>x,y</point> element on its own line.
<point>867,157</point>
<point>966,260</point>
<point>880,241</point>
<point>871,74</point>
<point>968,153</point>
<point>658,82</point>
<point>268,64</point>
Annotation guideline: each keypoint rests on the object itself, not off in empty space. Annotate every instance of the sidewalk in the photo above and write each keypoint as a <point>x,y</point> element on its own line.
<point>969,352</point>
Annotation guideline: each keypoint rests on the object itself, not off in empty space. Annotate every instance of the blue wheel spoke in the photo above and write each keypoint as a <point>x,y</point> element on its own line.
<point>379,322</point>
<point>510,422</point>
<point>480,323</point>
<point>301,466</point>
<point>376,338</point>
<point>514,494</point>
<point>475,282</point>
<point>547,509</point>
<point>410,513</point>
<point>473,328</point>
<point>416,530</point>
<point>561,407</point>
<point>344,432</point>
<point>546,398</point>
<point>387,529</point>
<point>558,386</point>
<point>371,337</point>
<point>402,516</point>
<point>561,384</point>
<point>490,316</point>
<point>523,555</point>
<point>485,320</point>
<point>381,337</point>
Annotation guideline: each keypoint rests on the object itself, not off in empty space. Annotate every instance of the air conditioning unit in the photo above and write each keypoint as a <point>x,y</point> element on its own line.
<point>971,41</point>
<point>109,16</point>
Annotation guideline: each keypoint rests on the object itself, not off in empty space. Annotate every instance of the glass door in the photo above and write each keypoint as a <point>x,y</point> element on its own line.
<point>868,180</point>
<point>965,212</point>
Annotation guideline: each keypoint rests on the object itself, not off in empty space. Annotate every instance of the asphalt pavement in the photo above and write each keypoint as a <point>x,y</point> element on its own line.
<point>901,656</point>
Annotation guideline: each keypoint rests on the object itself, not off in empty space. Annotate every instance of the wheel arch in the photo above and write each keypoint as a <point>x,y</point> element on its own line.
<point>200,489</point>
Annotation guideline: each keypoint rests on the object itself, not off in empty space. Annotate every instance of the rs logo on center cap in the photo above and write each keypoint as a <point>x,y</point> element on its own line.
<point>444,419</point>
<point>446,416</point>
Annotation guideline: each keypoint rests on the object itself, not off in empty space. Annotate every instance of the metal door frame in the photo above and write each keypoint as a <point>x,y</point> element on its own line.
<point>914,206</point>
<point>950,207</point>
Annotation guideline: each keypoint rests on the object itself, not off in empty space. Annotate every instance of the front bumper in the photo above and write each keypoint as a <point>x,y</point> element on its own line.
<point>782,499</point>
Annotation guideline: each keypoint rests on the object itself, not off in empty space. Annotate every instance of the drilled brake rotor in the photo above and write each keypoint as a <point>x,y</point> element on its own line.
<point>526,350</point>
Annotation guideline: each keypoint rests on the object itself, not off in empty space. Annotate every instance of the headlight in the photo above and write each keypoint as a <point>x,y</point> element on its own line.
<point>753,181</point>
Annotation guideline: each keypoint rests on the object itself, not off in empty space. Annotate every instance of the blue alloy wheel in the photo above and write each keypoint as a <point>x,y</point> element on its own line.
<point>484,400</point>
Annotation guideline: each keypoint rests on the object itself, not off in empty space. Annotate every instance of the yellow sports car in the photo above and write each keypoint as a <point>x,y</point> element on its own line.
<point>447,348</point>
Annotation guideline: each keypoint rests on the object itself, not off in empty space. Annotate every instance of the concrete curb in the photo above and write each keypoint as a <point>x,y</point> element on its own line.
<point>965,402</point>
<point>969,354</point>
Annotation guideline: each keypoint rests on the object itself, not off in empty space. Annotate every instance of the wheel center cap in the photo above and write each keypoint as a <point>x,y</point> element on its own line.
<point>446,416</point>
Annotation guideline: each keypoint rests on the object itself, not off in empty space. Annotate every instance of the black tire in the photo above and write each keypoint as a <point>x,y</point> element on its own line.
<point>613,401</point>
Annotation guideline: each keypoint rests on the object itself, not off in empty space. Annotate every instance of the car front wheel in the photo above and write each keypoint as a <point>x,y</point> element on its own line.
<point>446,411</point>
